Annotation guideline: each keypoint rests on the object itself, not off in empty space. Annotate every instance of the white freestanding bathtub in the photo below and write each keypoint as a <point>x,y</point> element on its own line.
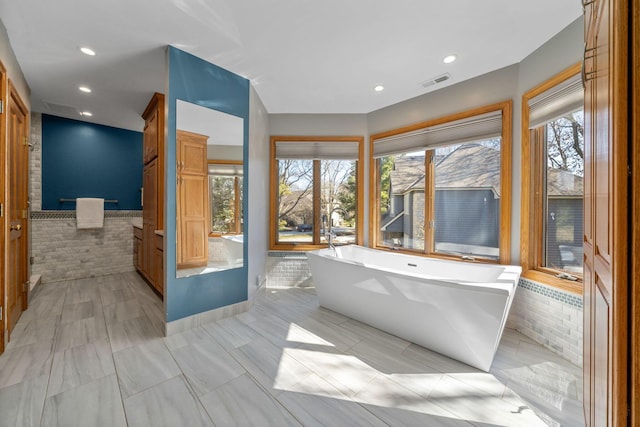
<point>233,247</point>
<point>455,308</point>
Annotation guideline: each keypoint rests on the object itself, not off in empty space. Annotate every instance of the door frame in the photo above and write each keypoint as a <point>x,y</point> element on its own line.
<point>15,100</point>
<point>3,242</point>
<point>634,109</point>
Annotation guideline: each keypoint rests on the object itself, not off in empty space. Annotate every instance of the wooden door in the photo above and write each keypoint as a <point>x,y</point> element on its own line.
<point>17,127</point>
<point>635,219</point>
<point>193,200</point>
<point>606,214</point>
<point>3,215</point>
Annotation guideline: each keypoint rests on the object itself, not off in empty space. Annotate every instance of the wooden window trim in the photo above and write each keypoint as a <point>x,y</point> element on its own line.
<point>505,184</point>
<point>273,193</point>
<point>531,221</point>
<point>237,205</point>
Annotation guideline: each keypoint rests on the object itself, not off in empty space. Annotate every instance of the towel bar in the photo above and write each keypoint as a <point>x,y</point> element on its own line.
<point>73,200</point>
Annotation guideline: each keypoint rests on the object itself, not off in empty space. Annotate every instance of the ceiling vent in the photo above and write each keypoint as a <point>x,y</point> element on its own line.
<point>60,109</point>
<point>435,80</point>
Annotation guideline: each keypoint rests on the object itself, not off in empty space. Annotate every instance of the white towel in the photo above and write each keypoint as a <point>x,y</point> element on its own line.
<point>89,212</point>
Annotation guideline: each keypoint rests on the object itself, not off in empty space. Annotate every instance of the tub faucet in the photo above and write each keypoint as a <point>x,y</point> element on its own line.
<point>330,235</point>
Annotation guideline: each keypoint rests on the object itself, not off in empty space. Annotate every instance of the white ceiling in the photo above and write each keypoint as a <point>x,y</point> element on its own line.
<point>302,56</point>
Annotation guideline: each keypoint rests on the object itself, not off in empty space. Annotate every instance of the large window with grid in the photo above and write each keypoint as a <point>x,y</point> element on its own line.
<point>439,187</point>
<point>225,197</point>
<point>316,191</point>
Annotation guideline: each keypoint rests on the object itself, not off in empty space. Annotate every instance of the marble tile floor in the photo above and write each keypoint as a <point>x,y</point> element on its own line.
<point>91,353</point>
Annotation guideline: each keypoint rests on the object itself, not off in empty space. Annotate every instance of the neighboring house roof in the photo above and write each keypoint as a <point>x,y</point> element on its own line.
<point>564,184</point>
<point>472,167</point>
<point>407,174</point>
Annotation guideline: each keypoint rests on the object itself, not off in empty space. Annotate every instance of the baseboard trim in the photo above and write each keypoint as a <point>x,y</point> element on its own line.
<point>191,322</point>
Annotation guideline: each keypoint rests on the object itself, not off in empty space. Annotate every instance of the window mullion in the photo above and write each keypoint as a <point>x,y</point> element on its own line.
<point>317,188</point>
<point>539,195</point>
<point>236,203</point>
<point>429,199</point>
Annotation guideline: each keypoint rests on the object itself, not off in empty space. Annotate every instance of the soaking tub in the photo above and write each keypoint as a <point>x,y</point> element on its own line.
<point>233,247</point>
<point>455,308</point>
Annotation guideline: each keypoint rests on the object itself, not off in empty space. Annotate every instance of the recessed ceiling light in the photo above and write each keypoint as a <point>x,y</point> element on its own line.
<point>87,51</point>
<point>85,89</point>
<point>449,59</point>
<point>379,88</point>
<point>86,113</point>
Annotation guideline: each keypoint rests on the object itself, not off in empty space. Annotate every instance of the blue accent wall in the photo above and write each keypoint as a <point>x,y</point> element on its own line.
<point>194,80</point>
<point>81,159</point>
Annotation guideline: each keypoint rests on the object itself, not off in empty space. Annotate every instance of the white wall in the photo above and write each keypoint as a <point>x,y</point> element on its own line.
<point>257,237</point>
<point>14,73</point>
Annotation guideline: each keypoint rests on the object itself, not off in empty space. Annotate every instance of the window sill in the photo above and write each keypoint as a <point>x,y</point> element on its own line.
<point>437,255</point>
<point>550,280</point>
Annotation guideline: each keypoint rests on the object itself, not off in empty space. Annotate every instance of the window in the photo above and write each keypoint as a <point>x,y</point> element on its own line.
<point>225,197</point>
<point>438,186</point>
<point>315,190</point>
<point>552,194</point>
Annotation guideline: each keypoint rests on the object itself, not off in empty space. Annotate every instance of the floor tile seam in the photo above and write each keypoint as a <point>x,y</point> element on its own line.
<point>555,394</point>
<point>146,389</point>
<point>366,409</point>
<point>188,382</point>
<point>53,346</point>
<point>533,407</point>
<point>432,401</point>
<point>536,409</point>
<point>46,391</point>
<point>197,398</point>
<point>426,364</point>
<point>113,361</point>
<point>187,377</point>
<point>270,394</point>
<point>480,390</point>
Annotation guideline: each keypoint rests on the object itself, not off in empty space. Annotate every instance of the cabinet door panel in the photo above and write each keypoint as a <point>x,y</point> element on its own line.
<point>193,200</point>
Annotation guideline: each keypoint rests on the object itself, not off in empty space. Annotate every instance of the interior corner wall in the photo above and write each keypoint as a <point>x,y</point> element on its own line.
<point>258,192</point>
<point>14,72</point>
<point>82,159</point>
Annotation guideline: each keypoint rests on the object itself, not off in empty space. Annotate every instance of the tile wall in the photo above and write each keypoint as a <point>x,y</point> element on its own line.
<point>549,316</point>
<point>61,252</point>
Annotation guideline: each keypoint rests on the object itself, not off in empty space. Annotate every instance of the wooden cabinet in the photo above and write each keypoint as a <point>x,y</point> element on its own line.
<point>153,191</point>
<point>606,213</point>
<point>192,200</point>
<point>153,148</point>
<point>153,117</point>
<point>158,263</point>
<point>138,261</point>
<point>150,179</point>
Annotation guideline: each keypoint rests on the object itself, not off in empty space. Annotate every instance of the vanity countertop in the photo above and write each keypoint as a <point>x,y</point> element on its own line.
<point>137,222</point>
<point>160,232</point>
